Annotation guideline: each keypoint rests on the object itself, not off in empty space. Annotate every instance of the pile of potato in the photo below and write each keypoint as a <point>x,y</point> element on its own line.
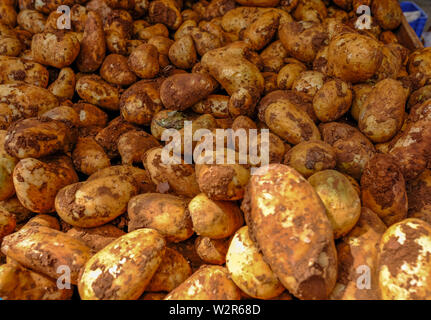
<point>88,208</point>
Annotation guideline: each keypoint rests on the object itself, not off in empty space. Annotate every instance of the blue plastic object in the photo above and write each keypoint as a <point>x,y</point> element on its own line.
<point>419,24</point>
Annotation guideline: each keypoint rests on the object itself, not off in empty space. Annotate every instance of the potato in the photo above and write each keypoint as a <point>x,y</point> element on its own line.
<point>118,30</point>
<point>8,15</point>
<point>116,71</point>
<point>144,61</point>
<point>179,178</point>
<point>56,49</point>
<point>95,202</point>
<point>360,94</point>
<point>340,199</point>
<point>308,83</point>
<point>404,256</point>
<point>352,148</point>
<point>143,31</point>
<point>15,70</point>
<point>38,181</point>
<point>306,262</point>
<point>64,86</point>
<point>310,10</point>
<point>419,96</point>
<point>93,46</point>
<point>15,207</point>
<point>132,146</point>
<point>212,251</point>
<point>10,45</point>
<point>43,220</point>
<point>310,157</point>
<point>273,57</point>
<point>182,53</point>
<point>332,100</point>
<point>88,156</point>
<point>181,91</point>
<point>165,213</point>
<point>357,259</point>
<point>419,64</point>
<point>391,63</point>
<point>354,57</point>
<point>136,257</point>
<point>173,270</point>
<point>19,283</point>
<point>37,137</point>
<point>7,164</point>
<point>214,219</point>
<point>93,89</point>
<point>247,84</point>
<point>288,74</point>
<point>215,104</point>
<point>23,101</point>
<point>166,12</point>
<point>248,269</point>
<point>260,32</point>
<point>303,39</point>
<point>90,115</point>
<point>383,189</point>
<point>418,191</point>
<point>44,250</point>
<point>7,223</point>
<point>96,238</point>
<point>207,283</point>
<point>387,13</point>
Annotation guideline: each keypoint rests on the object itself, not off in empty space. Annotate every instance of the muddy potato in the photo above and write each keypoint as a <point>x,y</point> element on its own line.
<point>182,53</point>
<point>239,19</point>
<point>43,220</point>
<point>259,3</point>
<point>418,195</point>
<point>273,57</point>
<point>136,256</point>
<point>144,61</point>
<point>352,148</point>
<point>382,113</point>
<point>15,207</point>
<point>173,270</point>
<point>168,214</point>
<point>10,45</point>
<point>215,104</point>
<point>95,202</point>
<point>383,189</point>
<point>214,219</point>
<point>185,28</point>
<point>90,115</point>
<point>7,223</point>
<point>31,20</point>
<point>38,181</point>
<point>275,216</point>
<point>387,13</point>
<point>357,257</point>
<point>419,96</point>
<point>33,247</point>
<point>96,238</point>
<point>354,57</point>
<point>64,86</point>
<point>207,283</point>
<point>310,10</point>
<point>332,100</point>
<point>248,269</point>
<point>419,63</point>
<point>115,70</point>
<point>181,91</point>
<point>303,39</point>
<point>179,178</point>
<point>132,146</point>
<point>360,94</point>
<point>392,63</point>
<point>310,157</point>
<point>88,156</point>
<point>288,74</point>
<point>404,261</point>
<point>57,49</point>
<point>118,30</point>
<point>340,199</point>
<point>143,31</point>
<point>8,15</point>
<point>260,32</point>
<point>212,251</point>
<point>16,70</point>
<point>308,83</point>
<point>166,12</point>
<point>7,164</point>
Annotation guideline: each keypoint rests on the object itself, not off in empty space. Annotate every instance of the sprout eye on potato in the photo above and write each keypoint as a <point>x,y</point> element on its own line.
<point>87,114</point>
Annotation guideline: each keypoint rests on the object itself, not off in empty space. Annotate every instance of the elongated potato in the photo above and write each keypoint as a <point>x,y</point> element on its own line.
<point>93,89</point>
<point>295,237</point>
<point>332,100</point>
<point>44,250</point>
<point>135,258</point>
<point>116,71</point>
<point>207,283</point>
<point>43,220</point>
<point>15,70</point>
<point>249,270</point>
<point>404,261</point>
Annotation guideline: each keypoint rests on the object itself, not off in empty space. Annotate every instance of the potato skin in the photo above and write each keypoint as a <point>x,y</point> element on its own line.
<point>15,70</point>
<point>214,219</point>
<point>209,283</point>
<point>95,202</point>
<point>93,89</point>
<point>88,156</point>
<point>212,251</point>
<point>260,32</point>
<point>168,214</point>
<point>116,71</point>
<point>144,61</point>
<point>278,217</point>
<point>64,86</point>
<point>340,199</point>
<point>215,104</point>
<point>404,255</point>
<point>43,250</point>
<point>38,181</point>
<point>132,146</point>
<point>332,100</point>
<point>387,13</point>
<point>182,53</point>
<point>248,268</point>
<point>383,189</point>
<point>136,256</point>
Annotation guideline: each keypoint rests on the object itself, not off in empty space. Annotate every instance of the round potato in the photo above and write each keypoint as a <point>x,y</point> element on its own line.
<point>332,100</point>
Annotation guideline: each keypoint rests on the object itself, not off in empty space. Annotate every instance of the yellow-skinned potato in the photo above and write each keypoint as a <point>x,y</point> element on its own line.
<point>391,63</point>
<point>15,70</point>
<point>173,270</point>
<point>383,189</point>
<point>360,94</point>
<point>248,268</point>
<point>182,53</point>
<point>288,74</point>
<point>7,164</point>
<point>15,207</point>
<point>260,32</point>
<point>95,202</point>
<point>179,178</point>
<point>185,28</point>
<point>332,100</point>
<point>93,89</point>
<point>118,30</point>
<point>166,12</point>
<point>19,283</point>
<point>387,13</point>
<point>419,96</point>
<point>306,263</point>
<point>133,144</point>
<point>44,249</point>
<point>340,199</point>
<point>273,57</point>
<point>115,70</point>
<point>38,181</point>
<point>382,113</point>
<point>24,101</point>
<point>212,251</point>
<point>419,64</point>
<point>310,10</point>
<point>144,61</point>
<point>166,213</point>
<point>419,201</point>
<point>215,104</point>
<point>240,18</point>
<point>43,220</point>
<point>7,223</point>
<point>308,83</point>
<point>310,157</point>
<point>8,15</point>
<point>57,49</point>
<point>136,257</point>
<point>88,156</point>
<point>214,219</point>
<point>143,31</point>
<point>96,238</point>
<point>90,115</point>
<point>207,283</point>
<point>64,86</point>
<point>31,20</point>
<point>357,259</point>
<point>404,261</point>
